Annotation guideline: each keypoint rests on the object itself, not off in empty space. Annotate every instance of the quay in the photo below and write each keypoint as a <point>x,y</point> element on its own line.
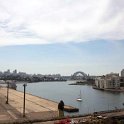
<point>44,111</point>
<point>36,108</point>
<point>112,90</point>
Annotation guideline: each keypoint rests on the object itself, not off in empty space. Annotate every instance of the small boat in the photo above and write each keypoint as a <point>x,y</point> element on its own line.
<point>79,98</point>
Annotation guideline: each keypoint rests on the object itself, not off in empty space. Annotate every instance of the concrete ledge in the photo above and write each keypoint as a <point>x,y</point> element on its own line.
<point>36,108</point>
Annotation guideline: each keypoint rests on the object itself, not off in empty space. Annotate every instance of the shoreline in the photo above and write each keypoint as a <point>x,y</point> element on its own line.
<point>37,111</point>
<point>113,90</point>
<point>36,108</point>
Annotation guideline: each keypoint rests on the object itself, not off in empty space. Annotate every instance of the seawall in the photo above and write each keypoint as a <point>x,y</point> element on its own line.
<point>35,107</point>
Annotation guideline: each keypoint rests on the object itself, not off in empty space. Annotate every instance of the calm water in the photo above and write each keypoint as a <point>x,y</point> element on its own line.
<point>93,100</point>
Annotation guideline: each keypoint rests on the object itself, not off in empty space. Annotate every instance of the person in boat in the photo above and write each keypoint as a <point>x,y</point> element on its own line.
<point>61,108</point>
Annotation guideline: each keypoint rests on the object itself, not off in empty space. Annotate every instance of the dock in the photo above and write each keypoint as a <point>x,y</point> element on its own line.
<point>36,107</point>
<point>70,109</point>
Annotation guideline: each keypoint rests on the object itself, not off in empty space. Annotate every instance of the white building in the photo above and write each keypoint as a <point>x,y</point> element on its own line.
<point>108,82</point>
<point>99,82</point>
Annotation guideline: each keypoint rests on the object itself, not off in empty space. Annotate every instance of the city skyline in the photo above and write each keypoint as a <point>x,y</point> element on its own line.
<point>54,36</point>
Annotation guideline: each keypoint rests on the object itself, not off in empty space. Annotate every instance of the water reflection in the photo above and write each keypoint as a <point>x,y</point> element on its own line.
<point>92,100</point>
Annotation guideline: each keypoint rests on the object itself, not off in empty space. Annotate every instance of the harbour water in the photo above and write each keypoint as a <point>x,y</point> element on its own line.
<point>92,100</point>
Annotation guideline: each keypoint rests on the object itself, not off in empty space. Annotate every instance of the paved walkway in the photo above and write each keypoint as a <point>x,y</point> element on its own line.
<point>36,107</point>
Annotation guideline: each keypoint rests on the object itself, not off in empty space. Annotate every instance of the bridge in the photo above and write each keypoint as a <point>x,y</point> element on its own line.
<point>79,75</point>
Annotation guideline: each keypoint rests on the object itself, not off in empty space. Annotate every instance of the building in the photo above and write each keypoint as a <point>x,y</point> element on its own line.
<point>110,81</point>
<point>122,73</point>
<point>15,71</point>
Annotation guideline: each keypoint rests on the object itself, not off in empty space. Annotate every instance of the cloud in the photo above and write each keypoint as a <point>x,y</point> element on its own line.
<point>51,21</point>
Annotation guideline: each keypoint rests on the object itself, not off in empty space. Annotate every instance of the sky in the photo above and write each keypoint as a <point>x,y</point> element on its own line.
<point>62,36</point>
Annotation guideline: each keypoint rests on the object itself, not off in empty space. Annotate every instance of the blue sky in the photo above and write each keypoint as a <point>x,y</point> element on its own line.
<point>62,36</point>
<point>94,57</point>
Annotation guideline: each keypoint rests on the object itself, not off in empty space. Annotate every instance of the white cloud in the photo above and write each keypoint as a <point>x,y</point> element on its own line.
<point>49,21</point>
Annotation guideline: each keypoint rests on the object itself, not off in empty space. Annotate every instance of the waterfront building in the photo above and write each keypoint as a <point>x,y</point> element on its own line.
<point>110,81</point>
<point>122,73</point>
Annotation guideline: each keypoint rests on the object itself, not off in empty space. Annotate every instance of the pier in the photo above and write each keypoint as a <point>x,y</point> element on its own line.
<point>35,107</point>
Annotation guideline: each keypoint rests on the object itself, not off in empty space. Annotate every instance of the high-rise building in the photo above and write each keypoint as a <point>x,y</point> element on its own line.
<point>7,72</point>
<point>122,73</point>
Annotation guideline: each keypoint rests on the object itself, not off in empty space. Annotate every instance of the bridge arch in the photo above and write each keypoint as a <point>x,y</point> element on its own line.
<point>83,75</point>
